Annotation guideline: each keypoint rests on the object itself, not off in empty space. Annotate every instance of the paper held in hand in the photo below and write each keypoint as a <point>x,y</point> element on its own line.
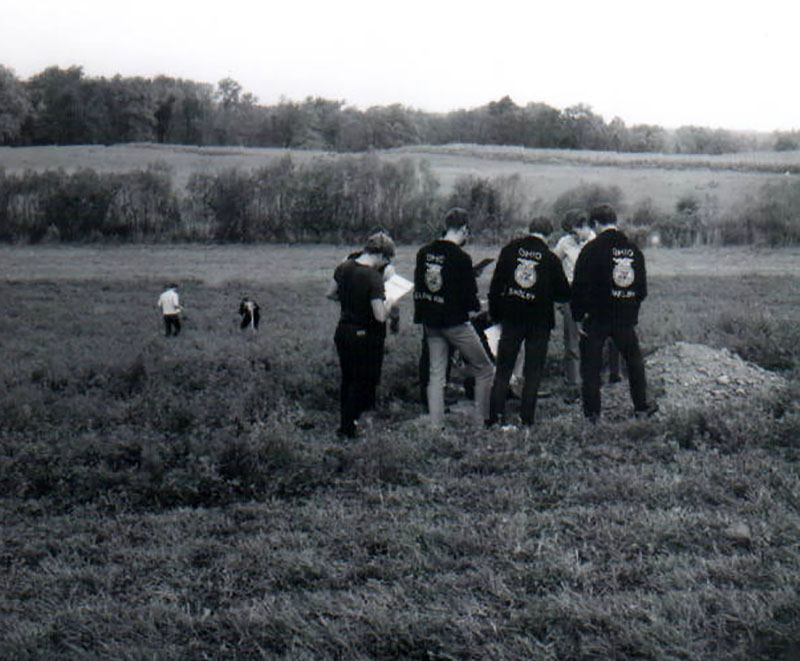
<point>493,337</point>
<point>396,287</point>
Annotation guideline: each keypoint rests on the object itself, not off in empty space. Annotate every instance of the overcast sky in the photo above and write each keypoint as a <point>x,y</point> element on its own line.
<point>719,64</point>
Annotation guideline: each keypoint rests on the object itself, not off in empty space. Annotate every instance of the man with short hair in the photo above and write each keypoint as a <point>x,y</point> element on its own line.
<point>527,280</point>
<point>609,285</point>
<point>445,292</point>
<point>170,310</point>
<point>358,285</point>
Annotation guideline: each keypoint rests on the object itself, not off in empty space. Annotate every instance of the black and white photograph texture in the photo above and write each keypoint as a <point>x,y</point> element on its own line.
<point>426,330</point>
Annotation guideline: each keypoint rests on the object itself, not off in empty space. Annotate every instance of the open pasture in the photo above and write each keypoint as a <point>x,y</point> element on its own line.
<point>187,498</point>
<point>216,264</point>
<point>718,182</point>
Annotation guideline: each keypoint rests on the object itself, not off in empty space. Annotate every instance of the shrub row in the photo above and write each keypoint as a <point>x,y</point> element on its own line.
<point>334,200</point>
<point>326,200</point>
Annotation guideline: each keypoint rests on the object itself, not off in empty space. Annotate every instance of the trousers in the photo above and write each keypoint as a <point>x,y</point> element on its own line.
<point>465,338</point>
<point>572,356</point>
<point>536,339</point>
<point>360,353</point>
<point>172,324</point>
<point>597,332</point>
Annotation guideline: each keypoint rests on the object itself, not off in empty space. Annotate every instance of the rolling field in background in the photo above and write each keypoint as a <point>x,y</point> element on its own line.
<point>188,498</point>
<point>719,182</point>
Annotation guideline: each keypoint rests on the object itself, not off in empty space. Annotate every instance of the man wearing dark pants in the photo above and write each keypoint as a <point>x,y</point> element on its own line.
<point>608,288</point>
<point>171,310</point>
<point>527,280</point>
<point>358,285</point>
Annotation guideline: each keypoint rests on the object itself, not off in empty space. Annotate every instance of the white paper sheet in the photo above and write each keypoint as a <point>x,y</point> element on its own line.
<point>396,287</point>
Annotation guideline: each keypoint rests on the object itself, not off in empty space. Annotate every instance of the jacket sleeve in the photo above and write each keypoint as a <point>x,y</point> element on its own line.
<point>561,289</point>
<point>471,286</point>
<point>580,284</point>
<point>641,280</point>
<point>497,287</point>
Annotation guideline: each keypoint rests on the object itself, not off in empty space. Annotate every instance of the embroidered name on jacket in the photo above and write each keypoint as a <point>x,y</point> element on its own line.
<point>433,272</point>
<point>525,274</point>
<point>623,275</point>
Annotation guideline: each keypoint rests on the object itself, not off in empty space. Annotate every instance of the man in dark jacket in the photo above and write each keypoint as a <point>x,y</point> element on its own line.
<point>445,292</point>
<point>527,280</point>
<point>609,285</point>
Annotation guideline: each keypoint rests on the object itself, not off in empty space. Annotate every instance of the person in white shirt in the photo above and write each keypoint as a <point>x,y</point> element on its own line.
<point>171,310</point>
<point>578,233</point>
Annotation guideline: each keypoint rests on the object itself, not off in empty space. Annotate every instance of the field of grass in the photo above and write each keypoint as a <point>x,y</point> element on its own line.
<point>188,498</point>
<point>718,182</point>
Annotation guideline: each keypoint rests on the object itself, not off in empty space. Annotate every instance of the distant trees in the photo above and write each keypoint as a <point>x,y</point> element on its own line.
<point>787,140</point>
<point>15,107</point>
<point>63,106</point>
<point>699,140</point>
<point>585,196</point>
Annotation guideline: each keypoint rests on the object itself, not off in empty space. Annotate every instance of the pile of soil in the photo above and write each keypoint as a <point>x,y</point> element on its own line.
<point>684,375</point>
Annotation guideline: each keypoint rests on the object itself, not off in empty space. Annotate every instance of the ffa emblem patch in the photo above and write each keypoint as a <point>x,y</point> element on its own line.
<point>433,277</point>
<point>525,273</point>
<point>623,272</point>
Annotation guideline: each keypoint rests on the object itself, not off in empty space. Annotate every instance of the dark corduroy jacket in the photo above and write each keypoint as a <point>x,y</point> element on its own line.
<point>445,290</point>
<point>527,280</point>
<point>610,280</point>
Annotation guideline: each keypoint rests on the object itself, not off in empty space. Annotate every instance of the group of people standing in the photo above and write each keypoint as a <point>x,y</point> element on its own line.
<point>594,273</point>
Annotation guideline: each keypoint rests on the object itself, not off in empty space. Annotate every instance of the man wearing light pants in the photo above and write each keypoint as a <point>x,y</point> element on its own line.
<point>578,233</point>
<point>445,292</point>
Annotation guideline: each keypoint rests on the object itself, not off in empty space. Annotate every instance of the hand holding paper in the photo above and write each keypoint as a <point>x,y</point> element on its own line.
<point>396,287</point>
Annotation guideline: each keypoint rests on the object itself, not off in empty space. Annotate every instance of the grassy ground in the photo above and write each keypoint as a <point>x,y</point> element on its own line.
<point>188,498</point>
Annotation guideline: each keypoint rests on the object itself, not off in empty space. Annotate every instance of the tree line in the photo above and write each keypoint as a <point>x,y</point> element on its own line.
<point>63,106</point>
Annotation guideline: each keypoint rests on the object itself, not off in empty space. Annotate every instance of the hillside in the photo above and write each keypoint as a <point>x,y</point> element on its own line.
<point>719,182</point>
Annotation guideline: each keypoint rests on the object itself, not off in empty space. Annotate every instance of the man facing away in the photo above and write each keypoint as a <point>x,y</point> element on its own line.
<point>527,280</point>
<point>445,292</point>
<point>609,285</point>
<point>170,310</point>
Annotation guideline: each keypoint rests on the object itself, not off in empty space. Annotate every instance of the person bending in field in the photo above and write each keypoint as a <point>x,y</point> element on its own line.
<point>445,292</point>
<point>250,314</point>
<point>526,282</point>
<point>608,288</point>
<point>170,310</point>
<point>361,332</point>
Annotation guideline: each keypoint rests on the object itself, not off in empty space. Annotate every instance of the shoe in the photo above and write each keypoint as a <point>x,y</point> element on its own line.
<point>648,411</point>
<point>508,428</point>
<point>572,397</point>
<point>614,378</point>
<point>346,433</point>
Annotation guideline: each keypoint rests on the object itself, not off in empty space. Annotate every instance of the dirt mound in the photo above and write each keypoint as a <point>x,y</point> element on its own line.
<point>684,375</point>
